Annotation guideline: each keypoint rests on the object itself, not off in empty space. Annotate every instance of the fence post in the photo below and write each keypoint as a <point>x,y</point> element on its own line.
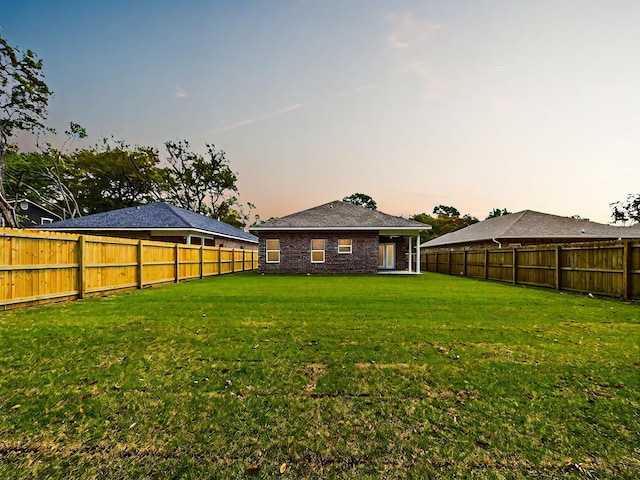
<point>515,266</point>
<point>140,265</point>
<point>219,260</point>
<point>177,263</point>
<point>449,262</point>
<point>201,262</point>
<point>626,270</point>
<point>486,263</point>
<point>243,257</point>
<point>82,262</point>
<point>233,260</point>
<point>464,262</point>
<point>558,267</point>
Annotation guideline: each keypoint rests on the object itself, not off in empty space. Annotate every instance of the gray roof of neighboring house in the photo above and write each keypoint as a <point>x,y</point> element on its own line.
<point>339,215</point>
<point>530,224</point>
<point>153,216</point>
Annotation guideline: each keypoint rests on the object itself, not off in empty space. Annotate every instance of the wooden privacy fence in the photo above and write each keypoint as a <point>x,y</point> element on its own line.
<point>608,268</point>
<point>42,267</point>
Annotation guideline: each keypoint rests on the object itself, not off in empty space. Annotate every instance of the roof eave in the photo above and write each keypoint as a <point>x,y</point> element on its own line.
<point>521,237</point>
<point>16,202</point>
<point>362,229</point>
<point>175,231</point>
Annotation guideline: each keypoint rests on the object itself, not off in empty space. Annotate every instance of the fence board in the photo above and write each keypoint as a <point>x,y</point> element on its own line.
<point>606,268</point>
<point>43,267</point>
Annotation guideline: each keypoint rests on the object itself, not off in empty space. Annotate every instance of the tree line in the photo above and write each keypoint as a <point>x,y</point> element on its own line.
<point>107,176</point>
<point>113,175</point>
<point>443,219</point>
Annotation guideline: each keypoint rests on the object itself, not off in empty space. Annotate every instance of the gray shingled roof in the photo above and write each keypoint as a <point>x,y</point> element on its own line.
<point>339,215</point>
<point>530,224</point>
<point>154,216</point>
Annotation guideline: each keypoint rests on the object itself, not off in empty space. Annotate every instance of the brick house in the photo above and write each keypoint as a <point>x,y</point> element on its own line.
<point>339,237</point>
<point>160,222</point>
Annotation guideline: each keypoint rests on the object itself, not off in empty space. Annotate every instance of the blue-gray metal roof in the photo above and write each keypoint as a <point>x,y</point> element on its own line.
<point>153,216</point>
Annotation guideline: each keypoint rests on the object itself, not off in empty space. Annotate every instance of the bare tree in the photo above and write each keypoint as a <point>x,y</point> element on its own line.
<point>24,97</point>
<point>202,184</point>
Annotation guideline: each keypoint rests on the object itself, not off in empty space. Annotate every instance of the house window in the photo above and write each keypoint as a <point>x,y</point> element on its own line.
<point>317,251</point>
<point>344,246</point>
<point>273,251</point>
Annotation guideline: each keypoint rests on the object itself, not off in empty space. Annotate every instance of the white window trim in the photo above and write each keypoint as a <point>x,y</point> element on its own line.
<point>267,251</point>
<point>350,246</point>
<point>45,220</point>
<point>324,248</point>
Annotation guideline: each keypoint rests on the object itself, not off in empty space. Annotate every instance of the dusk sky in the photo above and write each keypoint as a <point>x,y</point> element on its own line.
<point>474,104</point>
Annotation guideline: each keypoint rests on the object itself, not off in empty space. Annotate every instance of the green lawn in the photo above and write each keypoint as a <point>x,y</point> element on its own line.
<point>245,375</point>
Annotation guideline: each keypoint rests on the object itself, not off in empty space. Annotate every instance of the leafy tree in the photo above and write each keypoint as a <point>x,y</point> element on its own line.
<point>428,220</point>
<point>496,212</point>
<point>627,210</point>
<point>443,210</point>
<point>24,97</point>
<point>447,220</point>
<point>239,216</point>
<point>450,224</point>
<point>202,184</point>
<point>24,177</point>
<point>361,199</point>
<point>113,175</point>
<point>423,218</point>
<point>42,176</point>
<point>55,173</point>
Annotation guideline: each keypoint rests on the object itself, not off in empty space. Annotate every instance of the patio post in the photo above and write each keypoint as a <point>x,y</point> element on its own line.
<point>418,255</point>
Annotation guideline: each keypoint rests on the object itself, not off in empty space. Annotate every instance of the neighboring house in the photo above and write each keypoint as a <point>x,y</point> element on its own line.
<point>30,213</point>
<point>162,222</point>
<point>339,237</point>
<point>529,228</point>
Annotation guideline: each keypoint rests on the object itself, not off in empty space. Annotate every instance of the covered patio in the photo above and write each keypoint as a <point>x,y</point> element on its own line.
<point>399,251</point>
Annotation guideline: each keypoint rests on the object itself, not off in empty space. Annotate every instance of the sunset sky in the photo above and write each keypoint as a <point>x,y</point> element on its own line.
<point>475,104</point>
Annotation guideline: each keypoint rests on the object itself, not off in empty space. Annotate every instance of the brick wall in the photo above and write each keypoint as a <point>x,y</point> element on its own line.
<point>295,253</point>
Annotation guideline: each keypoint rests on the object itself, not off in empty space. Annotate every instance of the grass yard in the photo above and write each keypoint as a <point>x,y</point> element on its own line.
<point>313,377</point>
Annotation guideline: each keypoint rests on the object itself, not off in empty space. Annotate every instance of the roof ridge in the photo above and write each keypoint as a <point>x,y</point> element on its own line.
<point>516,218</point>
<point>339,214</point>
<point>310,208</point>
<point>175,211</point>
